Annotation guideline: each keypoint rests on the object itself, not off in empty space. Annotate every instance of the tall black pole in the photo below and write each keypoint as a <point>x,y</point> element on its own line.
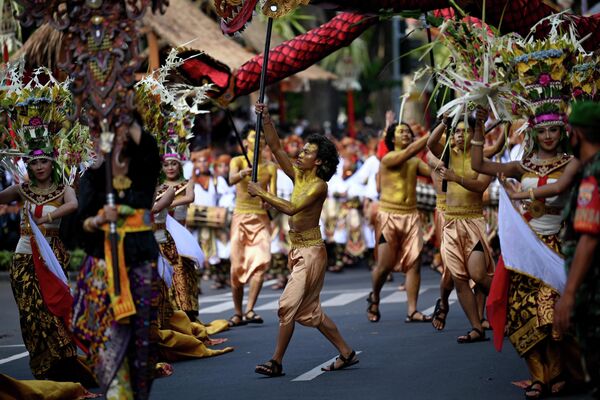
<point>261,99</point>
<point>106,145</point>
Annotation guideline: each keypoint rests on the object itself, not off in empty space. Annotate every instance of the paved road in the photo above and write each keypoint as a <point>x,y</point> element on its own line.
<point>397,360</point>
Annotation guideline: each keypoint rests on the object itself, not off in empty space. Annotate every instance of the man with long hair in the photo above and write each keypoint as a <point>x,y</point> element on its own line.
<point>300,300</point>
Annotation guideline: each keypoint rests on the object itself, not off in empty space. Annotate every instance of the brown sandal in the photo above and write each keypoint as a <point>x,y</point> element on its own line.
<point>424,318</point>
<point>236,320</point>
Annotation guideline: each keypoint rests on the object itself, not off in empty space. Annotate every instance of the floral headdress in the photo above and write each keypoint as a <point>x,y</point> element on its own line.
<point>40,128</point>
<point>168,109</point>
<point>542,70</point>
<point>585,77</point>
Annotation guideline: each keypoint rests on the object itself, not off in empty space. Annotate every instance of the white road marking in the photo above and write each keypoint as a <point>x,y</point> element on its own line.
<point>13,358</point>
<point>396,297</point>
<point>13,345</point>
<point>343,299</point>
<point>400,297</point>
<point>227,294</point>
<point>313,373</point>
<point>226,305</point>
<point>272,305</point>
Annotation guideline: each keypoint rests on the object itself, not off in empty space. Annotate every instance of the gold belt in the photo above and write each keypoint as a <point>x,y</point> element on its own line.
<point>307,238</point>
<point>48,232</point>
<point>440,203</point>
<point>453,212</point>
<point>398,209</point>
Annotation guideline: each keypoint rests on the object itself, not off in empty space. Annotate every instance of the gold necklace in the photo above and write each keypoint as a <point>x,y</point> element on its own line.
<point>41,191</point>
<point>545,161</point>
<point>121,183</point>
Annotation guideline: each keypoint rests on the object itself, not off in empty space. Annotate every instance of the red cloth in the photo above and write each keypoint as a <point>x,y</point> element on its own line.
<point>382,149</point>
<point>55,292</point>
<point>497,303</point>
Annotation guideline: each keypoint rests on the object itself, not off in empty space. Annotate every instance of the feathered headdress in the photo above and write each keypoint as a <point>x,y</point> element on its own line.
<point>39,127</point>
<point>168,109</point>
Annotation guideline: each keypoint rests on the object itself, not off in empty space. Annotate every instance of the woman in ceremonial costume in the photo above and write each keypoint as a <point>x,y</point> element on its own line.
<point>180,337</point>
<point>52,149</point>
<point>545,173</point>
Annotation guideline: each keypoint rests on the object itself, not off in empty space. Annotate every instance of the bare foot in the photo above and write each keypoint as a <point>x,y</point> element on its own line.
<point>214,342</point>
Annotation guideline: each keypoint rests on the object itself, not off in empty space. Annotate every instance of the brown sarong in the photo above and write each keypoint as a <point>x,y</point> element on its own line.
<point>250,247</point>
<point>307,261</point>
<point>403,234</point>
<point>459,238</point>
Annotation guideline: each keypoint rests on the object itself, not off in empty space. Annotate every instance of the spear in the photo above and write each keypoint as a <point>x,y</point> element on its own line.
<point>261,96</point>
<point>106,140</point>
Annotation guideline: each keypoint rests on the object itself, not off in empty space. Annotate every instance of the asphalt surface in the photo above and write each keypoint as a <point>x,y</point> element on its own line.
<point>397,360</point>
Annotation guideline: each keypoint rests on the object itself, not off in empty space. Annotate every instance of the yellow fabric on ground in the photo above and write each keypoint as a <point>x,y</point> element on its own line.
<point>13,389</point>
<point>183,340</point>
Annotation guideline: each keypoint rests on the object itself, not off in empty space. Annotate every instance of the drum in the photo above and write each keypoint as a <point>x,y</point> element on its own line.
<point>204,216</point>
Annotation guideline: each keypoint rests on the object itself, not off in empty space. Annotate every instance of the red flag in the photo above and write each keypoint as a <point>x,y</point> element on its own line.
<point>497,303</point>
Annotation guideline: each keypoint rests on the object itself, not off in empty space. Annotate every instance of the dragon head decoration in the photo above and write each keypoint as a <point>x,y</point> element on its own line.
<point>236,14</point>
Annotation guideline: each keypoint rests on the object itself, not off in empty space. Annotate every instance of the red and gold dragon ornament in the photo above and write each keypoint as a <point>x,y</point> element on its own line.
<point>356,16</point>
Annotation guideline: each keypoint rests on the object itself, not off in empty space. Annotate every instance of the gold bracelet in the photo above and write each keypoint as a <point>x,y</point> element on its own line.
<point>531,195</point>
<point>477,142</point>
<point>87,225</point>
<point>49,217</point>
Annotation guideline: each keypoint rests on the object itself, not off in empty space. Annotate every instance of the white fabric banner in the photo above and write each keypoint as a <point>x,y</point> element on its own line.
<point>46,252</point>
<point>523,251</point>
<point>165,270</point>
<point>186,243</point>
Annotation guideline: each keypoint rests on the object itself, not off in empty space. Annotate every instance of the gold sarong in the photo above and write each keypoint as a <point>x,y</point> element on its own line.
<point>186,285</point>
<point>403,234</point>
<point>307,261</point>
<point>45,335</point>
<point>459,238</point>
<point>250,247</point>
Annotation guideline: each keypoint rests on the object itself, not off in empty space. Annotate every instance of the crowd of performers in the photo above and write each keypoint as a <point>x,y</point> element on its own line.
<point>313,207</point>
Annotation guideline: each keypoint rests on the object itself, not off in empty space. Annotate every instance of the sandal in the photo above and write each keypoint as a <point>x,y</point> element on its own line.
<point>253,318</point>
<point>439,315</point>
<point>346,362</point>
<point>373,315</point>
<point>485,324</point>
<point>470,339</point>
<point>535,391</point>
<point>271,368</point>
<point>236,320</point>
<point>424,318</point>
